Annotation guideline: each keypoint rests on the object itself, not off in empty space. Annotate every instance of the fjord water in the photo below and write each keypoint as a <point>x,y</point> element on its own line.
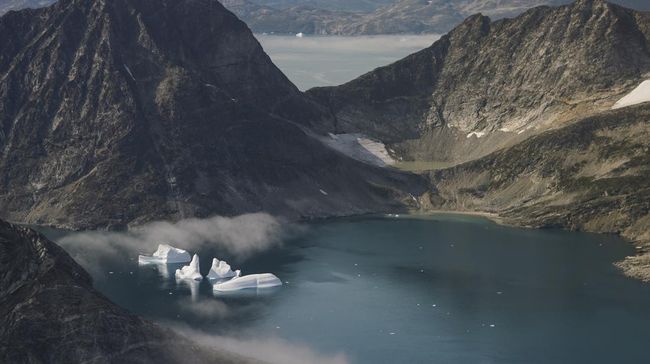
<point>439,289</point>
<point>314,61</point>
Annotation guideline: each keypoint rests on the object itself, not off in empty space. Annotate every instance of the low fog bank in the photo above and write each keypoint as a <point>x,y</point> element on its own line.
<point>272,350</point>
<point>240,236</point>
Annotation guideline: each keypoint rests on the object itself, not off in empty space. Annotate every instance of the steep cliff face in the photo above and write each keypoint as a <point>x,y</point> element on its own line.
<point>116,112</point>
<point>50,313</point>
<point>486,85</point>
<point>593,175</point>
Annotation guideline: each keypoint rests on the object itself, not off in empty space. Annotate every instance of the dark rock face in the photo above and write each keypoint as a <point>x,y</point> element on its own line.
<point>123,111</point>
<point>50,313</point>
<point>486,85</point>
<point>592,175</point>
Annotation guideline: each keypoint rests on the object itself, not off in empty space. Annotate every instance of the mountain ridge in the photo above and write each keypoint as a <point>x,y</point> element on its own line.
<point>161,111</point>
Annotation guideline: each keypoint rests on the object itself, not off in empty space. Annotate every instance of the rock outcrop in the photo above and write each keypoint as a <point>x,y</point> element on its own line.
<point>50,313</point>
<point>124,111</point>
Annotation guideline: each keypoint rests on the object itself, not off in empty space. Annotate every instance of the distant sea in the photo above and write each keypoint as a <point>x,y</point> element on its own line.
<point>330,61</point>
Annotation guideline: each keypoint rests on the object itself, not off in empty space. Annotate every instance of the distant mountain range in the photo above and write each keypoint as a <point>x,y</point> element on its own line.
<point>360,17</point>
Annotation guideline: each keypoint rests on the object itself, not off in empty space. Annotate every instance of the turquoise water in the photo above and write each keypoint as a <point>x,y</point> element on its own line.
<point>445,289</point>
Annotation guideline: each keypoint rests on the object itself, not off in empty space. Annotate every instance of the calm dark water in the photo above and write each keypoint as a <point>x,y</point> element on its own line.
<point>444,289</point>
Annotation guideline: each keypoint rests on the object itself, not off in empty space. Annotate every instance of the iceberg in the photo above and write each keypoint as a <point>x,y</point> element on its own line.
<point>166,254</point>
<point>264,280</point>
<point>221,270</point>
<point>191,271</point>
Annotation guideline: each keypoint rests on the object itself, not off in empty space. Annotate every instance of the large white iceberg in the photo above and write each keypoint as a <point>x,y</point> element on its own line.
<point>166,254</point>
<point>221,270</point>
<point>191,271</point>
<point>264,280</point>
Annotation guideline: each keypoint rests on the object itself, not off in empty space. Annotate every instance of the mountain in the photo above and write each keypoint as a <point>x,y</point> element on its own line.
<point>124,111</point>
<point>514,117</point>
<point>50,313</point>
<point>489,84</point>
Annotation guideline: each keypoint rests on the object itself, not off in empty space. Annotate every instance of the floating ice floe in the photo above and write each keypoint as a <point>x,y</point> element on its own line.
<point>191,271</point>
<point>264,280</point>
<point>221,270</point>
<point>300,35</point>
<point>639,95</point>
<point>166,254</point>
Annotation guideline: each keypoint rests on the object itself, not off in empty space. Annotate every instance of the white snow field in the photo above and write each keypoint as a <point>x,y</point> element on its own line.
<point>166,254</point>
<point>264,280</point>
<point>361,148</point>
<point>191,271</point>
<point>221,270</point>
<point>639,95</point>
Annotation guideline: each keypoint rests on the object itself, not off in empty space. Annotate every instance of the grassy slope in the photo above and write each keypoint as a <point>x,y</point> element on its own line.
<point>593,175</point>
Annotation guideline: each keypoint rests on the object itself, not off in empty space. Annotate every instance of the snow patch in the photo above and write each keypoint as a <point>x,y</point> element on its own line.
<point>129,71</point>
<point>253,281</point>
<point>191,271</point>
<point>478,134</point>
<point>166,254</point>
<point>637,96</point>
<point>361,148</point>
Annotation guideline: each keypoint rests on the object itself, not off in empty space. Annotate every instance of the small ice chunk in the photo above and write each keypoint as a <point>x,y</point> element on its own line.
<point>300,35</point>
<point>264,280</point>
<point>191,271</point>
<point>166,254</point>
<point>221,270</point>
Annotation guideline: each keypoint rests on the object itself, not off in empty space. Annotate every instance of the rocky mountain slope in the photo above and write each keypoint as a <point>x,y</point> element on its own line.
<point>489,84</point>
<point>592,175</point>
<point>124,111</point>
<point>50,313</point>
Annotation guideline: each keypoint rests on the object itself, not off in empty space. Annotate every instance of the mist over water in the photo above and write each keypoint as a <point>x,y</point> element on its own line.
<point>314,61</point>
<point>447,289</point>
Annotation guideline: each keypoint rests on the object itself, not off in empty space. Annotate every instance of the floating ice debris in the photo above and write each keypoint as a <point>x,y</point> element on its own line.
<point>265,280</point>
<point>221,270</point>
<point>166,254</point>
<point>492,325</point>
<point>191,271</point>
<point>300,35</point>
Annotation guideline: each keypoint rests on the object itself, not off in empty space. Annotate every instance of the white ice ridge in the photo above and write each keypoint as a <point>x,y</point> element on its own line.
<point>220,270</point>
<point>192,271</point>
<point>166,254</point>
<point>264,280</point>
<point>639,95</point>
